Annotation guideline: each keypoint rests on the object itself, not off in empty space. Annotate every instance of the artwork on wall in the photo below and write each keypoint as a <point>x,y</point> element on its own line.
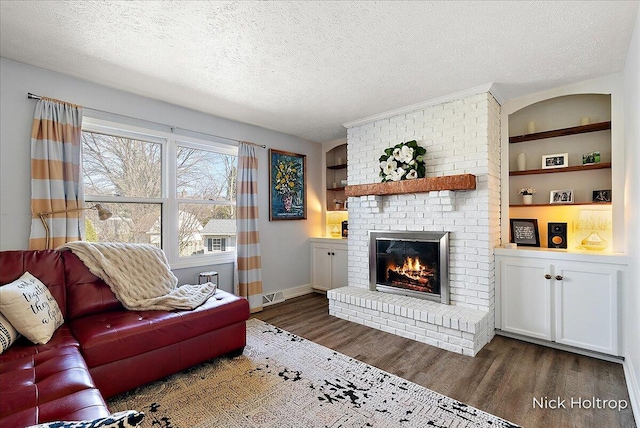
<point>287,186</point>
<point>524,231</point>
<point>558,160</point>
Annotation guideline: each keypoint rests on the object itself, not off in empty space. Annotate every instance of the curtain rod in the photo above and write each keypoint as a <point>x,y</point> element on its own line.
<point>38,97</point>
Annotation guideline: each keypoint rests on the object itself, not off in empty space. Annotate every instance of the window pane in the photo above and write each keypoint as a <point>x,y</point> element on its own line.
<point>206,228</point>
<point>117,166</point>
<point>201,174</point>
<point>130,222</point>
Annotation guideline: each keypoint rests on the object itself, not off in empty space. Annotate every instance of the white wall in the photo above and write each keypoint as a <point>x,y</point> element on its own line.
<point>285,245</point>
<point>632,207</point>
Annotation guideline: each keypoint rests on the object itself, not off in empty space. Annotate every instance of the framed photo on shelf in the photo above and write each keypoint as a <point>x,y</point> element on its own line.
<point>524,231</point>
<point>287,186</point>
<point>558,160</point>
<point>561,196</point>
<point>591,158</point>
<point>602,195</point>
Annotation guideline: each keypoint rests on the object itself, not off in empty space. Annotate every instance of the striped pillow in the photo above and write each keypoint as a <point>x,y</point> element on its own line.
<point>8,334</point>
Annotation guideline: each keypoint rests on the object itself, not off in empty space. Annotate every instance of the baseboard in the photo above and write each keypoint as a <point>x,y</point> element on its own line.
<point>280,296</point>
<point>632,387</point>
<point>560,346</point>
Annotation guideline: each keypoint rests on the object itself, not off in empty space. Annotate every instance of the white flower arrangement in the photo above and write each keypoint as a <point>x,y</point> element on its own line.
<point>404,161</point>
<point>527,191</point>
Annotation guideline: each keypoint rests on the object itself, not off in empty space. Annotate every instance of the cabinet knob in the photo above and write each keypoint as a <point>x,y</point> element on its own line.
<point>547,276</point>
<point>328,253</point>
<point>558,277</point>
<point>333,254</point>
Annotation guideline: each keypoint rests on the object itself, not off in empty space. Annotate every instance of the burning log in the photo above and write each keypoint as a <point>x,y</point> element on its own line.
<point>421,281</point>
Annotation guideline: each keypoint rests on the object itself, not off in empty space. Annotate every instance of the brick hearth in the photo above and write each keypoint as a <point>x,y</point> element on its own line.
<point>461,137</point>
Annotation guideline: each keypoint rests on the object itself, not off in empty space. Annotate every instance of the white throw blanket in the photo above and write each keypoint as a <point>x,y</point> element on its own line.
<point>139,276</point>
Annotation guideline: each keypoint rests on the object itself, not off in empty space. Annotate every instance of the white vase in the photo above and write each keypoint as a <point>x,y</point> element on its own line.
<point>527,199</point>
<point>522,161</point>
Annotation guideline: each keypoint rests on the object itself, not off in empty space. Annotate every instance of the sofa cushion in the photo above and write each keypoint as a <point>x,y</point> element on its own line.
<point>86,293</point>
<point>51,385</point>
<point>116,335</point>
<point>24,348</point>
<point>8,334</point>
<point>46,265</point>
<point>126,419</point>
<point>28,304</point>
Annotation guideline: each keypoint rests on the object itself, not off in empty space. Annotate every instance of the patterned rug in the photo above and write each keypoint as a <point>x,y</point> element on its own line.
<point>283,380</point>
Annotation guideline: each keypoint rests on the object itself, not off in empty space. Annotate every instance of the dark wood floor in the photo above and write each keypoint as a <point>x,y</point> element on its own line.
<point>503,379</point>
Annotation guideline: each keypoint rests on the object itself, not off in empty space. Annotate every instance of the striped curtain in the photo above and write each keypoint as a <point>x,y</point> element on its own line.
<point>55,173</point>
<point>248,245</point>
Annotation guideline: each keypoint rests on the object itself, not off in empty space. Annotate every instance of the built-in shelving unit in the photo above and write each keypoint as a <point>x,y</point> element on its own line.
<point>574,130</point>
<point>557,205</point>
<point>336,163</point>
<point>602,165</point>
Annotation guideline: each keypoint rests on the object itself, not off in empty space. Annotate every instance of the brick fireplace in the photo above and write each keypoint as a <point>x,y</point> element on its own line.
<point>461,137</point>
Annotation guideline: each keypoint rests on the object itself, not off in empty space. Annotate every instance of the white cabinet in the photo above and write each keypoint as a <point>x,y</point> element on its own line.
<point>328,263</point>
<point>560,297</point>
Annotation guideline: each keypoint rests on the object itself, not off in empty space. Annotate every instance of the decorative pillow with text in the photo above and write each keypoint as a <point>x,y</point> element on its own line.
<point>29,306</point>
<point>8,334</point>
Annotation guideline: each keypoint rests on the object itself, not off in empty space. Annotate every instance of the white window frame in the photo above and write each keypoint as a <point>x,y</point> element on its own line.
<point>169,200</point>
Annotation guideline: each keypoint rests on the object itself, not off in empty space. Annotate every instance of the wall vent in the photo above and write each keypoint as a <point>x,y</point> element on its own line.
<point>272,298</point>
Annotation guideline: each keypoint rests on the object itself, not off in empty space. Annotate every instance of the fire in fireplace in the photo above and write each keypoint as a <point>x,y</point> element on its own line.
<point>410,263</point>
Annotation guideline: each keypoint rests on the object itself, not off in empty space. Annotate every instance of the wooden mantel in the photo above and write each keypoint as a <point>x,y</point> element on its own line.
<point>419,185</point>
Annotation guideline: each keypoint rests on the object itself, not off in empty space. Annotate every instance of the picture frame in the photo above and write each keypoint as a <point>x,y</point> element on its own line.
<point>524,232</point>
<point>564,196</point>
<point>601,196</point>
<point>591,158</point>
<point>287,185</point>
<point>556,160</point>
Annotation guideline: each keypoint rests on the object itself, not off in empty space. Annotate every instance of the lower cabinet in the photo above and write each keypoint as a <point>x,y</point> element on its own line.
<point>328,263</point>
<point>569,302</point>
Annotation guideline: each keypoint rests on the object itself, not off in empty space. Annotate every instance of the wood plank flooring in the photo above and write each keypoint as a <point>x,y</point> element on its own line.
<point>503,379</point>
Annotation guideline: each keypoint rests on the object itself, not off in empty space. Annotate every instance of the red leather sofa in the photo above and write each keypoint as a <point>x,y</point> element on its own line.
<point>102,349</point>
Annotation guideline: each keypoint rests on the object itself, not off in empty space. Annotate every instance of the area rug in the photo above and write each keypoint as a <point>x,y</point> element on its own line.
<point>283,380</point>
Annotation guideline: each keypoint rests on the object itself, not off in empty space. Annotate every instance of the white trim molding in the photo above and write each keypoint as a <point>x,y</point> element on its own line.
<point>632,386</point>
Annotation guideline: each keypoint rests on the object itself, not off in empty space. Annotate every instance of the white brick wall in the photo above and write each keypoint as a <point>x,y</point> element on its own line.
<point>461,136</point>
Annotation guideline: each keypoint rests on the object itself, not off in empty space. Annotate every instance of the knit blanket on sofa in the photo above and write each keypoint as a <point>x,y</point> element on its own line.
<point>139,276</point>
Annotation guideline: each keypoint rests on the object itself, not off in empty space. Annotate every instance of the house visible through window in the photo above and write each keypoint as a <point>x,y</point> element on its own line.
<point>176,194</point>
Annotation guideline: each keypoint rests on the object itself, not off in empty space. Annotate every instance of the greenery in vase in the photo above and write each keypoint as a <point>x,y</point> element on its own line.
<point>404,161</point>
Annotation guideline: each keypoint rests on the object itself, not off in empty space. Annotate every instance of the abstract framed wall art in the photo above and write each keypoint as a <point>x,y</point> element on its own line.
<point>287,186</point>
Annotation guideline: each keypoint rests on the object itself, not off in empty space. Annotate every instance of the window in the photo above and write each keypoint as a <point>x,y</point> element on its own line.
<point>176,194</point>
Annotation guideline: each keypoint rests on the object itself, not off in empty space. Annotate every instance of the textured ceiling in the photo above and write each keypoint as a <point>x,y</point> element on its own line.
<point>305,68</point>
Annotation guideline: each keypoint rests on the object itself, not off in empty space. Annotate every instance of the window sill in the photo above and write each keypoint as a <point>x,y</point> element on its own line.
<point>196,261</point>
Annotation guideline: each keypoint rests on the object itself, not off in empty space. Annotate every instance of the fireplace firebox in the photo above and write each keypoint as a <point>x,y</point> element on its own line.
<point>414,264</point>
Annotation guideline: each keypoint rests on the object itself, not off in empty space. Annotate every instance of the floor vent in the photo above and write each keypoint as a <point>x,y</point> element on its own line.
<point>272,298</point>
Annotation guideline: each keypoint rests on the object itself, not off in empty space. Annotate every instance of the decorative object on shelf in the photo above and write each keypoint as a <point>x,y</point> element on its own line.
<point>557,235</point>
<point>404,161</point>
<point>524,231</point>
<point>522,161</point>
<point>527,195</point>
<point>593,222</point>
<point>602,195</point>
<point>343,183</point>
<point>531,127</point>
<point>585,121</point>
<point>561,196</point>
<point>591,158</point>
<point>287,186</point>
<point>557,160</point>
<point>339,161</point>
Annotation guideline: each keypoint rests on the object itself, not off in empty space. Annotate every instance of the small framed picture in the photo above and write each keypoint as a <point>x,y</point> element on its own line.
<point>602,195</point>
<point>524,231</point>
<point>589,158</point>
<point>558,160</point>
<point>561,196</point>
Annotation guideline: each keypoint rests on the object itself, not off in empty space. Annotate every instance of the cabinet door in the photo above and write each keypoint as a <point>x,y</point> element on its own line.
<point>586,313</point>
<point>339,266</point>
<point>526,298</point>
<point>321,266</point>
